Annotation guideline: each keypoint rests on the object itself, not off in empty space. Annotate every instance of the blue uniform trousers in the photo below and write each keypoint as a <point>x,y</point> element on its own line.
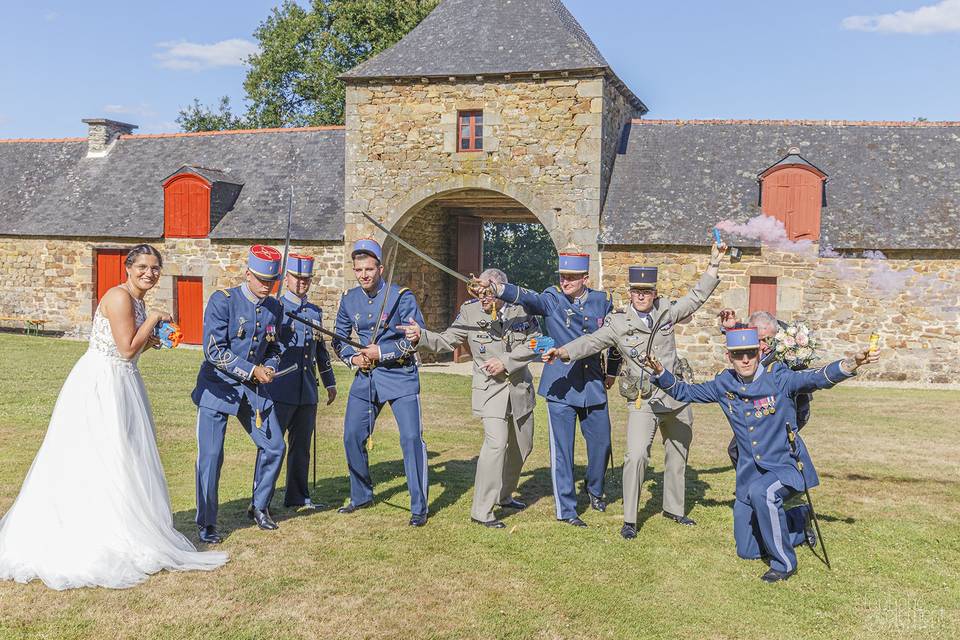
<point>356,430</point>
<point>562,425</point>
<point>211,427</point>
<point>298,421</point>
<point>764,528</point>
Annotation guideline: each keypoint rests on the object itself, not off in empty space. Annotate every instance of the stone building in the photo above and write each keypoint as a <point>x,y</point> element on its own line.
<point>506,111</point>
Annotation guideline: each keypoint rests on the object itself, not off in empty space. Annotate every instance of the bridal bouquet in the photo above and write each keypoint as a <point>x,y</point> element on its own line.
<point>795,345</point>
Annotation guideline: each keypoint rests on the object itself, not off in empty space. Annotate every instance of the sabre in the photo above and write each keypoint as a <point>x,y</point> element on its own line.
<point>326,332</point>
<point>286,244</point>
<point>439,265</point>
<point>792,436</point>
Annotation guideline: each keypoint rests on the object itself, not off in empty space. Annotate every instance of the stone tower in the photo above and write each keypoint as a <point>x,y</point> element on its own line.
<point>552,113</point>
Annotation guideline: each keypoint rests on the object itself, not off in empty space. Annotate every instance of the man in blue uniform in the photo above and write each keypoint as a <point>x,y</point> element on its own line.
<point>758,403</point>
<point>574,391</point>
<point>295,394</point>
<point>241,355</point>
<point>385,371</point>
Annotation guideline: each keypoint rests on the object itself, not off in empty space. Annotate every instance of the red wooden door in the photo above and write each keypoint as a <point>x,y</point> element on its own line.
<point>763,294</point>
<point>186,207</point>
<point>110,270</point>
<point>190,309</point>
<point>793,196</point>
<point>469,260</point>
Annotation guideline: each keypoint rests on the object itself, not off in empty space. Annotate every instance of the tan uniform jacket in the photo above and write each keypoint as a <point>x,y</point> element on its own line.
<point>505,338</point>
<point>629,334</point>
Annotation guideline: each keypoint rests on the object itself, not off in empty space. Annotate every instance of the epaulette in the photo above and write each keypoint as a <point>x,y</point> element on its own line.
<point>402,290</point>
<point>770,366</point>
<point>557,287</point>
<point>223,291</point>
<point>471,301</point>
<point>609,296</point>
<point>619,310</point>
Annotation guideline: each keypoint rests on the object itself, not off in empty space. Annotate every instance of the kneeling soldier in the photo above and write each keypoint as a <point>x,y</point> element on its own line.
<point>295,395</point>
<point>773,464</point>
<point>503,396</point>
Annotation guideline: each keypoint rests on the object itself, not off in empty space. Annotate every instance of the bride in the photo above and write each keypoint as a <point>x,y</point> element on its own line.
<point>94,508</point>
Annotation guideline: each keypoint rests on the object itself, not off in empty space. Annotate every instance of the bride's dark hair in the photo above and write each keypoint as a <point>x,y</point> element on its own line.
<point>142,250</point>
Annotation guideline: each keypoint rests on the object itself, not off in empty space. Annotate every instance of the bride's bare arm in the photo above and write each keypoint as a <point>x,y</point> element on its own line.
<point>117,306</point>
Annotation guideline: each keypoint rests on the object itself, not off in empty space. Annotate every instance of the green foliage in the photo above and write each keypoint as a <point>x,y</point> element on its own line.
<point>200,117</point>
<point>293,80</point>
<point>524,251</point>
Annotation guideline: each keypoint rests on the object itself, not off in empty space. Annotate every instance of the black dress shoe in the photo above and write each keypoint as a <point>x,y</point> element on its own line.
<point>251,509</point>
<point>514,504</point>
<point>351,507</point>
<point>263,520</point>
<point>490,524</point>
<point>418,520</point>
<point>596,503</point>
<point>773,575</point>
<point>575,521</point>
<point>684,520</point>
<point>209,534</point>
<point>628,531</point>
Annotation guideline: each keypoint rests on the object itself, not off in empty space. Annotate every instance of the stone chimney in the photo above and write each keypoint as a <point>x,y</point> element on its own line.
<point>102,133</point>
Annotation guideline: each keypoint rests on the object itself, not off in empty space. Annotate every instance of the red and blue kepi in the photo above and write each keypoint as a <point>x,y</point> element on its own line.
<point>367,246</point>
<point>300,265</point>
<point>264,262</point>
<point>574,262</point>
<point>742,339</point>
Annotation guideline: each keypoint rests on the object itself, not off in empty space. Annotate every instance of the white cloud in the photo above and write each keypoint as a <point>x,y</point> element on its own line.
<point>195,57</point>
<point>143,110</point>
<point>941,17</point>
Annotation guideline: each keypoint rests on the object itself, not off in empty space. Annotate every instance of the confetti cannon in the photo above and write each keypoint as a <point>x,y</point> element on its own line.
<point>169,335</point>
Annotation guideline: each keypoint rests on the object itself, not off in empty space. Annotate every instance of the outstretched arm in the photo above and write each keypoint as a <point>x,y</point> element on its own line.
<point>809,380</point>
<point>586,345</point>
<point>702,392</point>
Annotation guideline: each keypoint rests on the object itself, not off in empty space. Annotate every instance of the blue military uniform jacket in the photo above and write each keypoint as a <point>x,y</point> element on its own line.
<point>304,347</point>
<point>580,383</point>
<point>396,374</point>
<point>758,413</point>
<point>239,332</point>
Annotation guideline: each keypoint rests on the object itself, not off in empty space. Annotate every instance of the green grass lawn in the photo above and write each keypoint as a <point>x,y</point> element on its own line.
<point>890,504</point>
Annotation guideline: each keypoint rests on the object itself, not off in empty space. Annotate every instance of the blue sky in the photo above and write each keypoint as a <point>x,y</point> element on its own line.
<point>844,59</point>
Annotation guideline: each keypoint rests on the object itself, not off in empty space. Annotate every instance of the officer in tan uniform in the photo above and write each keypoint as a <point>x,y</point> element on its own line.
<point>629,330</point>
<point>503,394</point>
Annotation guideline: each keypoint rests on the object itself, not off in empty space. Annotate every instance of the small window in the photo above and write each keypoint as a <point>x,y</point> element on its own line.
<point>470,131</point>
<point>763,294</point>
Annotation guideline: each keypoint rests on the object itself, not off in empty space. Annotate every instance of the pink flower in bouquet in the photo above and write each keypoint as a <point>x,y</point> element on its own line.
<point>790,341</point>
<point>802,339</point>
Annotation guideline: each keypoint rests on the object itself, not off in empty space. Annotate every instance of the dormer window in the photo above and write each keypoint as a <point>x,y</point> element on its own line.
<point>470,131</point>
<point>195,199</point>
<point>793,192</point>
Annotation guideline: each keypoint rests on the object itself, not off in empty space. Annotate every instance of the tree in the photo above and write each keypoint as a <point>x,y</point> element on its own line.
<point>293,81</point>
<point>523,250</point>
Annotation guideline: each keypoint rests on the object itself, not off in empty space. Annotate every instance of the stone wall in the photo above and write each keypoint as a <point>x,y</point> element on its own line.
<point>54,279</point>
<point>911,299</point>
<point>542,147</point>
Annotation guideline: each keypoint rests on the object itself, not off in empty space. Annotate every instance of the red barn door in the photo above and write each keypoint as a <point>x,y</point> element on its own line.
<point>190,309</point>
<point>110,270</point>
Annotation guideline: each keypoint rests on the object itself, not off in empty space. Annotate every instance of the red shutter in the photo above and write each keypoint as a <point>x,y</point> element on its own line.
<point>763,294</point>
<point>110,270</point>
<point>793,196</point>
<point>469,260</point>
<point>186,207</point>
<point>190,309</point>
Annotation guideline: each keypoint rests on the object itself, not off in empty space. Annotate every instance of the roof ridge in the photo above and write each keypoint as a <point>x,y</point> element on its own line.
<point>138,136</point>
<point>13,140</point>
<point>847,123</point>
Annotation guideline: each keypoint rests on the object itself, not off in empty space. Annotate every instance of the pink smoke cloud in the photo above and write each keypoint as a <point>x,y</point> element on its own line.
<point>769,231</point>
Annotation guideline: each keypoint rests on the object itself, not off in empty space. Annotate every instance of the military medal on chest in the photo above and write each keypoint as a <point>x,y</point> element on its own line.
<point>240,329</point>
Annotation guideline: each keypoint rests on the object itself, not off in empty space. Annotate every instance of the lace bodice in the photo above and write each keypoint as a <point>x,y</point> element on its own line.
<point>101,337</point>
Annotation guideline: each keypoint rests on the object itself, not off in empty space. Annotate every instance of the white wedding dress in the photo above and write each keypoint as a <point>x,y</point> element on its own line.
<point>94,508</point>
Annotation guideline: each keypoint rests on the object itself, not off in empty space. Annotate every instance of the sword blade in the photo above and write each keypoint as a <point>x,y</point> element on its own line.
<point>417,252</point>
<point>324,331</point>
<point>286,245</point>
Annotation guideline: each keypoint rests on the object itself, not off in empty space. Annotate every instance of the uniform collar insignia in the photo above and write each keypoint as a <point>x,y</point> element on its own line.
<point>245,290</point>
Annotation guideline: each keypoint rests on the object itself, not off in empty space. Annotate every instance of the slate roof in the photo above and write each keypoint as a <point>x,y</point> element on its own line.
<point>491,37</point>
<point>49,188</point>
<point>890,185</point>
